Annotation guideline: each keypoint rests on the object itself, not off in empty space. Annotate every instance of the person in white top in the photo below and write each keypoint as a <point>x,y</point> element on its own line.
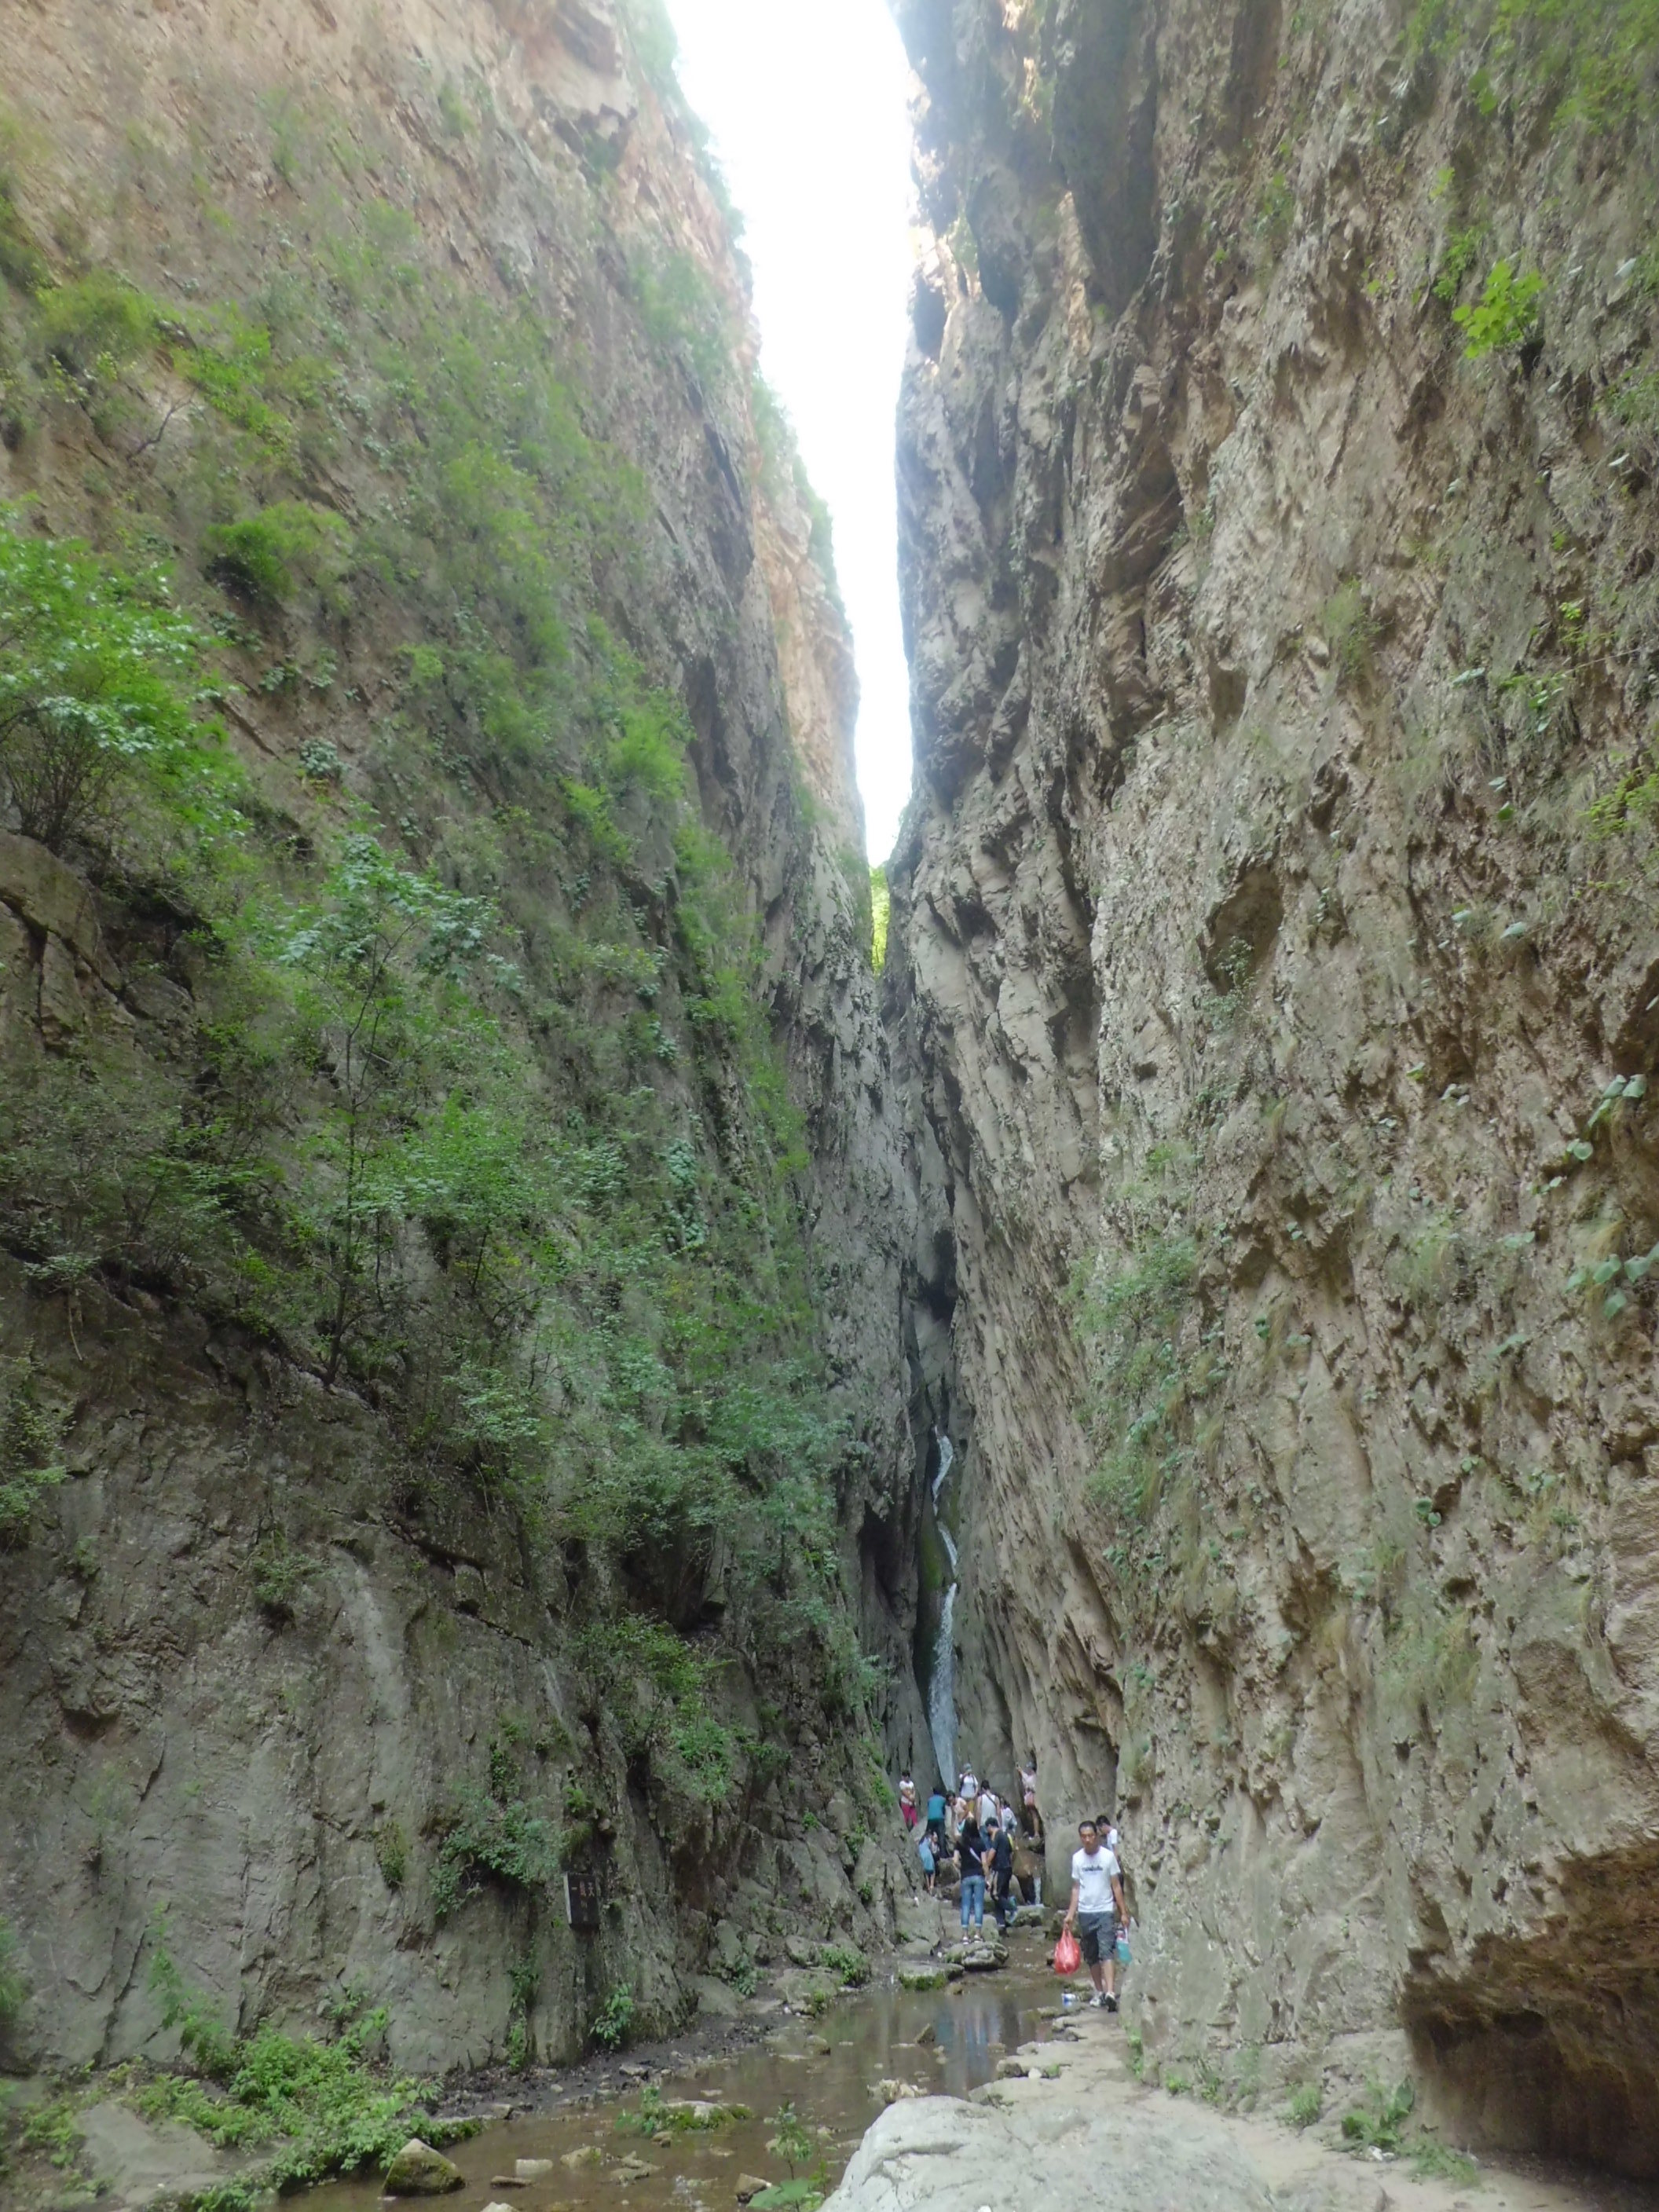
<point>1097,1910</point>
<point>1028,1794</point>
<point>988,1806</point>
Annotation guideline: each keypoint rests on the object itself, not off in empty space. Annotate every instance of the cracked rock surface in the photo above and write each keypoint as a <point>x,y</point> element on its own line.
<point>1277,991</point>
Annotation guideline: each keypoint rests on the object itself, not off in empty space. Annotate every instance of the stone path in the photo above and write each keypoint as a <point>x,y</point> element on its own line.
<point>1079,2134</point>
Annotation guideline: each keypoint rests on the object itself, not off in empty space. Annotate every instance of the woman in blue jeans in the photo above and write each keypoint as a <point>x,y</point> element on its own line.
<point>970,1857</point>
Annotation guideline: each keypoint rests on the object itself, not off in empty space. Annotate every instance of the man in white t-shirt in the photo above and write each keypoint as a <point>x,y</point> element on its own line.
<point>1097,1910</point>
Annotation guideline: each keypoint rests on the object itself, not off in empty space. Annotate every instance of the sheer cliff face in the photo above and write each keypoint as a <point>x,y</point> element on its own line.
<point>1275,963</point>
<point>256,1663</point>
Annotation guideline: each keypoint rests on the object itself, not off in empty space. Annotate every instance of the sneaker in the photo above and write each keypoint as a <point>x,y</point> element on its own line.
<point>1111,2004</point>
<point>1096,2000</point>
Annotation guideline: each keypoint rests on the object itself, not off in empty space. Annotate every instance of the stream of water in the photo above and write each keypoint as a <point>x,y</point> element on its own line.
<point>829,2070</point>
<point>942,1684</point>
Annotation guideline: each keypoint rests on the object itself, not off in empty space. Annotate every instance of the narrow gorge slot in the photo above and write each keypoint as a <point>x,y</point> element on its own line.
<point>561,1337</point>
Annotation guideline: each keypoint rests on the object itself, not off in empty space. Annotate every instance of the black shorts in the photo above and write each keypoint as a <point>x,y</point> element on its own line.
<point>1098,1931</point>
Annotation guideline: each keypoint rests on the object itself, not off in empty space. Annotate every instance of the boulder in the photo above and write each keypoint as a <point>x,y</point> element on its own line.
<point>750,2185</point>
<point>589,2154</point>
<point>984,1958</point>
<point>531,2169</point>
<point>715,1999</point>
<point>892,2091</point>
<point>419,2171</point>
<point>944,2153</point>
<point>922,1978</point>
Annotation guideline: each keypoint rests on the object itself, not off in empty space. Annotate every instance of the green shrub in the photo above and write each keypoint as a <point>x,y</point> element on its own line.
<point>14,1990</point>
<point>95,326</point>
<point>1129,1321</point>
<point>54,2127</point>
<point>1593,60</point>
<point>1440,2162</point>
<point>391,1854</point>
<point>21,262</point>
<point>1380,2123</point>
<point>1505,315</point>
<point>268,554</point>
<point>1462,250</point>
<point>651,32</point>
<point>848,1961</point>
<point>881,909</point>
<point>790,2140</point>
<point>683,313</point>
<point>496,1833</point>
<point>96,670</point>
<point>322,2107</point>
<point>29,1437</point>
<point>1306,2103</point>
<point>614,2020</point>
<point>277,1572</point>
<point>1350,629</point>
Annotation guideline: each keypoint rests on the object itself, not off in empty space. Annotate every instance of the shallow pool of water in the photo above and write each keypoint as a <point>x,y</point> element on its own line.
<point>877,2033</point>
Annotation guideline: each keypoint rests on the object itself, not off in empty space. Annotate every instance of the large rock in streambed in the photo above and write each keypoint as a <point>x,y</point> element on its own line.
<point>982,1955</point>
<point>939,2155</point>
<point>419,2171</point>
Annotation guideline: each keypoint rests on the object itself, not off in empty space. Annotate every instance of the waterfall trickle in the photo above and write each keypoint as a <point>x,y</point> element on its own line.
<point>942,1693</point>
<point>942,1684</point>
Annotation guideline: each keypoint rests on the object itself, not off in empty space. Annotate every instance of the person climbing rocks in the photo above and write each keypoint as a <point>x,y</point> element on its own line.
<point>968,1785</point>
<point>1000,1869</point>
<point>1029,1820</point>
<point>1097,1912</point>
<point>988,1806</point>
<point>970,1857</point>
<point>929,1858</point>
<point>907,1800</point>
<point>936,1822</point>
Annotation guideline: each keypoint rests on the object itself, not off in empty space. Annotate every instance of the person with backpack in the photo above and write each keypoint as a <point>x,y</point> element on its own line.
<point>999,1870</point>
<point>1097,1912</point>
<point>970,1857</point>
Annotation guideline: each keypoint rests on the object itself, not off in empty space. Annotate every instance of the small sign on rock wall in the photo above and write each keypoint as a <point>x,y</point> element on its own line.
<point>581,1900</point>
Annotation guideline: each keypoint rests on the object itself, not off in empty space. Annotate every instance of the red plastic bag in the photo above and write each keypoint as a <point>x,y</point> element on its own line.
<point>1068,1952</point>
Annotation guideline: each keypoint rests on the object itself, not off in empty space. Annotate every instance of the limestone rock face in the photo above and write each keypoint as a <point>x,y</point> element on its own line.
<point>273,1762</point>
<point>1276,989</point>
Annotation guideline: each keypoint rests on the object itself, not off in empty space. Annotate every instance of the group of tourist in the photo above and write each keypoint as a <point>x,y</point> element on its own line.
<point>977,1826</point>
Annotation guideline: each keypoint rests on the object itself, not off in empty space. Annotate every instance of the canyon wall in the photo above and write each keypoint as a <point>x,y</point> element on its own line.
<point>454,1422</point>
<point>1275,988</point>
